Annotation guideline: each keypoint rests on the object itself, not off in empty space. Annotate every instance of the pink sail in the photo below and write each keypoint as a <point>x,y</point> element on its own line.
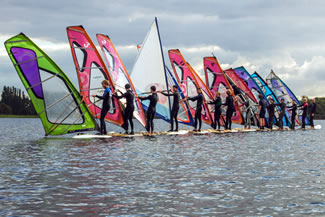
<point>217,81</point>
<point>91,71</point>
<point>189,81</point>
<point>119,74</point>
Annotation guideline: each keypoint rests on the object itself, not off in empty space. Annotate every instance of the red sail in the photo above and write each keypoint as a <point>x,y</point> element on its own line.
<point>91,71</point>
<point>189,81</point>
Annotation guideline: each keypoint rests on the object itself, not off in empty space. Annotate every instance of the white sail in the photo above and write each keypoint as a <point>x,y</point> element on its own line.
<point>149,69</point>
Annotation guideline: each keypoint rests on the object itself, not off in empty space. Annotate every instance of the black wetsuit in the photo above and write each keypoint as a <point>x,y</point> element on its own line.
<point>217,112</point>
<point>198,111</point>
<point>230,110</point>
<point>293,110</point>
<point>271,109</point>
<point>312,111</point>
<point>304,114</point>
<point>128,112</point>
<point>151,110</point>
<point>105,108</point>
<point>175,108</point>
<point>281,114</point>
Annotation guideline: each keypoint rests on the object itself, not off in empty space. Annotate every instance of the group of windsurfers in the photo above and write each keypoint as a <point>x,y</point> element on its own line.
<point>271,106</point>
<point>263,107</point>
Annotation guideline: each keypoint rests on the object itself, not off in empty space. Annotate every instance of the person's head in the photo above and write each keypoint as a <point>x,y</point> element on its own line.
<point>260,96</point>
<point>199,90</point>
<point>127,86</point>
<point>217,94</point>
<point>228,92</point>
<point>305,100</point>
<point>105,84</point>
<point>282,100</point>
<point>294,102</point>
<point>175,88</point>
<point>314,100</point>
<point>271,100</point>
<point>153,89</point>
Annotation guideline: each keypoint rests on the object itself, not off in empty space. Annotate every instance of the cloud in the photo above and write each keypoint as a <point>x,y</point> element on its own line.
<point>286,36</point>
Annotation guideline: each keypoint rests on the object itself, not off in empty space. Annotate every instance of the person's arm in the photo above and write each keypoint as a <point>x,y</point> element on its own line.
<point>194,98</point>
<point>166,94</point>
<point>144,97</point>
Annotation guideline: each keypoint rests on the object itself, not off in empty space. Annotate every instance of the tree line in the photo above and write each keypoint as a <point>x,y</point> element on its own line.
<point>15,102</point>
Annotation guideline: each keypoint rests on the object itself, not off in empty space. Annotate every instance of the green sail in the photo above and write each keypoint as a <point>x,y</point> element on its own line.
<point>55,99</point>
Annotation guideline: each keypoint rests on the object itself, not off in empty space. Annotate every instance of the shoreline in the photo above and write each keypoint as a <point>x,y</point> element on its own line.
<point>18,116</point>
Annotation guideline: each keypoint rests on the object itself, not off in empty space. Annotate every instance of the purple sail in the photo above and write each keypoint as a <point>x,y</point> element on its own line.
<point>27,61</point>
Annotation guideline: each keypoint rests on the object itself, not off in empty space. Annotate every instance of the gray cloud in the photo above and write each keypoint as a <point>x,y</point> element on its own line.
<point>284,35</point>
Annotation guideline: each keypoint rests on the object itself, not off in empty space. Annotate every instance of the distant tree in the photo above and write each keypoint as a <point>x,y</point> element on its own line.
<point>5,109</point>
<point>17,101</point>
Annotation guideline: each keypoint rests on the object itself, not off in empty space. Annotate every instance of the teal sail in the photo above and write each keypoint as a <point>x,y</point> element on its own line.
<point>54,97</point>
<point>269,93</point>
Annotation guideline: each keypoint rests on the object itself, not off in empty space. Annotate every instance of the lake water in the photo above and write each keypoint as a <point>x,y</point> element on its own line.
<point>241,174</point>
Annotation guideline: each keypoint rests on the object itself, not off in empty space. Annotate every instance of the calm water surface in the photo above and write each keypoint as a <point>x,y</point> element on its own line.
<point>243,174</point>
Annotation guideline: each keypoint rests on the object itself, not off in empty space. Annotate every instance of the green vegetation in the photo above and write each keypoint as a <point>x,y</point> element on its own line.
<point>15,102</point>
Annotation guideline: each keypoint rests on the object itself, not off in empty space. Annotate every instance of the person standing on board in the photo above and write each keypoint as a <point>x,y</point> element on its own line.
<point>271,109</point>
<point>282,112</point>
<point>304,112</point>
<point>217,110</point>
<point>198,111</point>
<point>312,112</point>
<point>262,111</point>
<point>151,109</point>
<point>293,110</point>
<point>105,107</point>
<point>230,110</point>
<point>175,108</point>
<point>128,112</point>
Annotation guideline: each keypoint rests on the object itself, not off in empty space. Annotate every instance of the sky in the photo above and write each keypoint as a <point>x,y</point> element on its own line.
<point>284,35</point>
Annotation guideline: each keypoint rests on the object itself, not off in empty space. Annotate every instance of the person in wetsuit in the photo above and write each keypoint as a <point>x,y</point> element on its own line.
<point>128,112</point>
<point>217,110</point>
<point>312,112</point>
<point>198,111</point>
<point>151,109</point>
<point>105,106</point>
<point>249,114</point>
<point>175,108</point>
<point>304,112</point>
<point>282,112</point>
<point>230,110</point>
<point>262,110</point>
<point>293,110</point>
<point>271,109</point>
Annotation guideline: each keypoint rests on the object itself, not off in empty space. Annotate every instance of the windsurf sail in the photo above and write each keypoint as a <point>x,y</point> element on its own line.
<point>54,97</point>
<point>281,90</point>
<point>189,81</point>
<point>243,94</point>
<point>149,69</point>
<point>269,93</point>
<point>119,74</point>
<point>217,81</point>
<point>91,71</point>
<point>250,82</point>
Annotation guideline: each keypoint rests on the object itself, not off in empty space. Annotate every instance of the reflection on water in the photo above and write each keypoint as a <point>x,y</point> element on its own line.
<point>252,174</point>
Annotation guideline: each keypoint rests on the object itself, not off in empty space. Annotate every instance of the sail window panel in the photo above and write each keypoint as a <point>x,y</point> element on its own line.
<point>122,80</point>
<point>191,91</point>
<point>179,72</point>
<point>95,84</point>
<point>110,59</point>
<point>211,78</point>
<point>81,56</point>
<point>60,105</point>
